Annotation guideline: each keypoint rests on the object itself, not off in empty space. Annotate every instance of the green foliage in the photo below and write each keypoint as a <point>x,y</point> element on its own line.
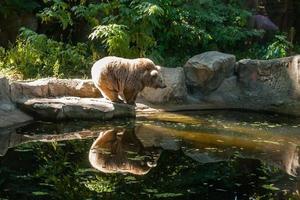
<point>278,47</point>
<point>165,30</point>
<point>36,55</point>
<point>101,184</point>
<point>173,29</point>
<point>131,32</point>
<point>57,11</point>
<point>270,187</point>
<point>114,36</point>
<point>57,170</point>
<point>88,12</point>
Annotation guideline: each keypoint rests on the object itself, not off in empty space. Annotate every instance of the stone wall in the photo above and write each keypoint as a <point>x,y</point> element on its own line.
<point>261,85</point>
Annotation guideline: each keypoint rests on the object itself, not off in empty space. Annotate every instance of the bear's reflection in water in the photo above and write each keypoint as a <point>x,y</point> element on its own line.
<point>120,151</point>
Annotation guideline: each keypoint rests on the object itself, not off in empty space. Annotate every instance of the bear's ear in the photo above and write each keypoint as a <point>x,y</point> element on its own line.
<point>154,73</point>
<point>158,67</point>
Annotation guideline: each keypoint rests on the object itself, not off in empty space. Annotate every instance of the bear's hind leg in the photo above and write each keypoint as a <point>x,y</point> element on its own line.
<point>111,95</point>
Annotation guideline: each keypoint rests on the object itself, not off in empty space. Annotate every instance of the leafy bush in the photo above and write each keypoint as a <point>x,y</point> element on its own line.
<point>167,31</point>
<point>35,55</point>
<point>57,11</point>
<point>172,29</point>
<point>114,36</point>
<point>278,47</point>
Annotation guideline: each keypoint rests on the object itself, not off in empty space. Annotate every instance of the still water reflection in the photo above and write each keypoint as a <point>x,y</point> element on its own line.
<point>212,155</point>
<point>121,151</point>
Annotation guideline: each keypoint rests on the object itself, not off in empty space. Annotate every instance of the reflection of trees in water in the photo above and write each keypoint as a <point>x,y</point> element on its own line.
<point>9,139</point>
<point>206,147</point>
<point>131,149</point>
<point>121,151</point>
<point>284,157</point>
<point>63,168</point>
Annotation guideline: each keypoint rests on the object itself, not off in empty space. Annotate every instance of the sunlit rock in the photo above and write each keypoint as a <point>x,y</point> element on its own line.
<point>53,87</point>
<point>4,90</point>
<point>205,72</point>
<point>75,108</point>
<point>264,85</point>
<point>9,114</point>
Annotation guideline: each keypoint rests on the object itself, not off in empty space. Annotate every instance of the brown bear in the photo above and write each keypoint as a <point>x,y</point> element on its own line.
<point>117,77</point>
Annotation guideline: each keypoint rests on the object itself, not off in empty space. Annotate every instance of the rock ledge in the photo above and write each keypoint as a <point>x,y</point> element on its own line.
<point>75,108</point>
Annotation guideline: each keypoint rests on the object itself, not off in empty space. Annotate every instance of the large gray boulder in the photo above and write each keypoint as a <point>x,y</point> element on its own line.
<point>13,118</point>
<point>75,108</point>
<point>265,85</point>
<point>174,92</point>
<point>9,114</point>
<point>205,72</point>
<point>4,90</point>
<point>53,87</point>
<point>5,102</point>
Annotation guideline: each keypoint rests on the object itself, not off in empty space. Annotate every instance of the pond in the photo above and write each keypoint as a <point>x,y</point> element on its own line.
<point>185,155</point>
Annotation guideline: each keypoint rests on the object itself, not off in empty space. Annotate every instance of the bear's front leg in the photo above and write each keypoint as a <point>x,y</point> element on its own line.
<point>132,100</point>
<point>130,96</point>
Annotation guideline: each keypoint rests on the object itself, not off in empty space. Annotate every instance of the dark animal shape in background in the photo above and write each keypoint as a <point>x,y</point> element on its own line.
<point>263,23</point>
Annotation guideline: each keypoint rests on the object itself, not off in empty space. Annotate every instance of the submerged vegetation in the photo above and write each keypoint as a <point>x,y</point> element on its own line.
<point>72,34</point>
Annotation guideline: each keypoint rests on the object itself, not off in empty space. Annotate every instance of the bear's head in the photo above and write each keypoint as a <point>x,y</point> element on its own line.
<point>156,80</point>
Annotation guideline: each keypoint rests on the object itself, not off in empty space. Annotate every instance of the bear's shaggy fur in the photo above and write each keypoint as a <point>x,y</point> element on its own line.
<point>119,77</point>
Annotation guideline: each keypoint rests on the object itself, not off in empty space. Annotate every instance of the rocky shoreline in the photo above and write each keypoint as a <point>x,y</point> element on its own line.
<point>212,80</point>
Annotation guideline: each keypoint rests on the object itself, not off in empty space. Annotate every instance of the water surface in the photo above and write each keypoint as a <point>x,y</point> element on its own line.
<point>196,155</point>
